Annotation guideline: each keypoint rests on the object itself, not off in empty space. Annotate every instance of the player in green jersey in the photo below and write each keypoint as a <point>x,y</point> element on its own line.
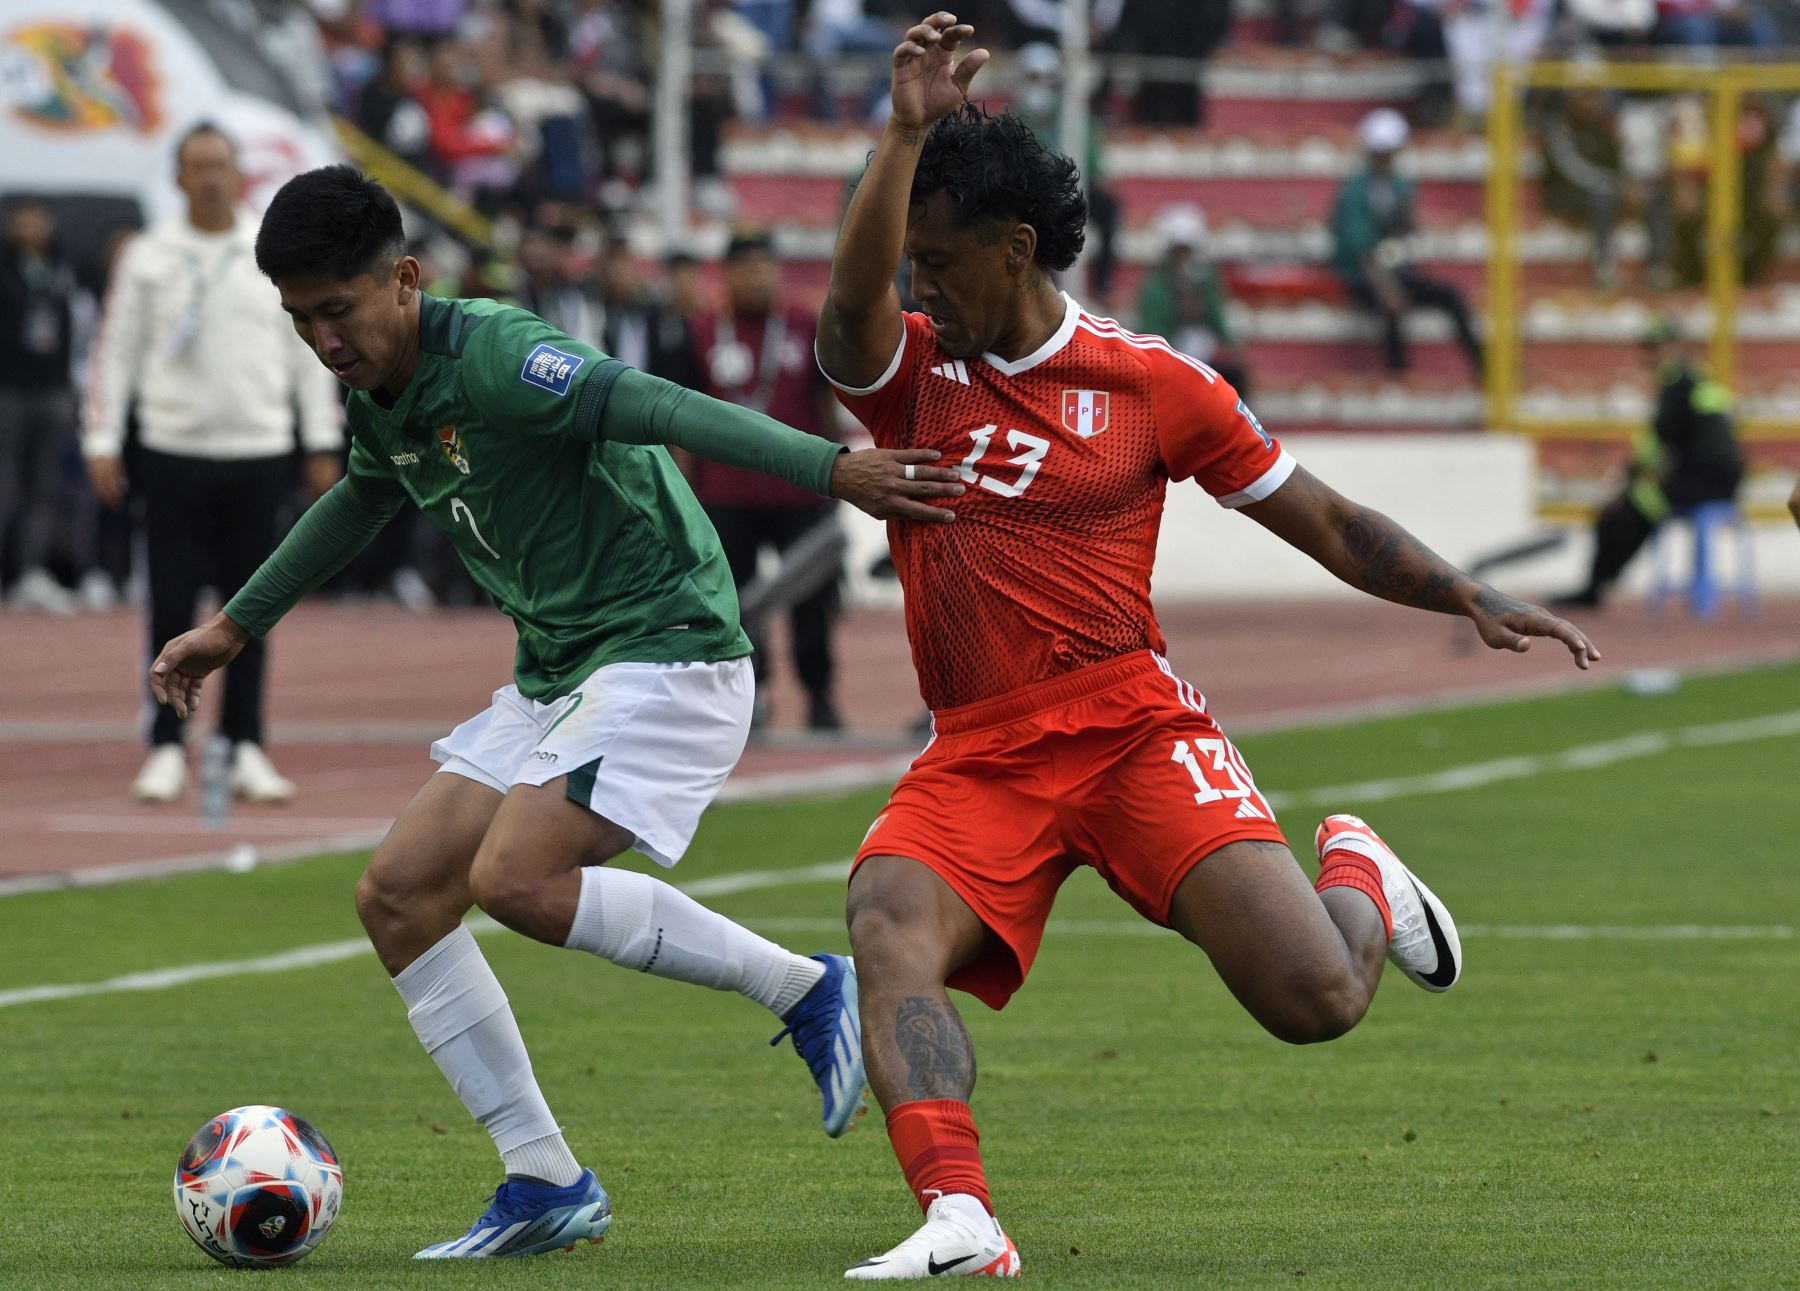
<point>544,462</point>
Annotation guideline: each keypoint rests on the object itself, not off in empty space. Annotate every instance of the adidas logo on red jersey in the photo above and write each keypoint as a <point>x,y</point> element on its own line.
<point>955,369</point>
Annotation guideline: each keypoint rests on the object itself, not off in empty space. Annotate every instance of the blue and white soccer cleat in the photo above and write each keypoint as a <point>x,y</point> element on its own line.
<point>528,1218</point>
<point>827,1033</point>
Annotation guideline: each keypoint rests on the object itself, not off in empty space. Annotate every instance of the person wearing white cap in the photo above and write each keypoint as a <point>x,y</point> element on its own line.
<point>1371,221</point>
<point>1183,299</point>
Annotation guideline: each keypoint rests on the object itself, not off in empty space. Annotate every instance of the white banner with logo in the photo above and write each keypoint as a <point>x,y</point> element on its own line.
<point>94,95</point>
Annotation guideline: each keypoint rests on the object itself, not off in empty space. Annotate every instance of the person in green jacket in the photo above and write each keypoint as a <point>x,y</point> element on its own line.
<point>545,463</point>
<point>1371,222</point>
<point>1182,298</point>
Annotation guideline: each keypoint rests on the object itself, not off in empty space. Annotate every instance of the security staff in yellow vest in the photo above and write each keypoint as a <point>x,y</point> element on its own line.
<point>1687,455</point>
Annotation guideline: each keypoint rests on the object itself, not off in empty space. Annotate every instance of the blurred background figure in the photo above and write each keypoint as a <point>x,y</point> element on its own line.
<point>1371,223</point>
<point>1687,455</point>
<point>38,293</point>
<point>1183,299</point>
<point>757,350</point>
<point>1584,172</point>
<point>634,324</point>
<point>547,285</point>
<point>198,338</point>
<point>1038,100</point>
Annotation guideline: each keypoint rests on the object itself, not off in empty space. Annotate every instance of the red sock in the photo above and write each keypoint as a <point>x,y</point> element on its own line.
<point>938,1149</point>
<point>1343,868</point>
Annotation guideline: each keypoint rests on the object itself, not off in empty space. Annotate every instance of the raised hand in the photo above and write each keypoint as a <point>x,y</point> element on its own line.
<point>184,663</point>
<point>929,82</point>
<point>894,484</point>
<point>1507,623</point>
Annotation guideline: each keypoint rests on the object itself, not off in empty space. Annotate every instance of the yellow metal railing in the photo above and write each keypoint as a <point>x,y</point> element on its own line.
<point>1725,85</point>
<point>415,187</point>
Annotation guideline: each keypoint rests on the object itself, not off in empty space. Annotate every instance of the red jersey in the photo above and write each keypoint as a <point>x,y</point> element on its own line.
<point>1066,454</point>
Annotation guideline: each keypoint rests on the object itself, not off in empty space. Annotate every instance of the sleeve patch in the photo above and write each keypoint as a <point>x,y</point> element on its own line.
<point>1244,412</point>
<point>549,368</point>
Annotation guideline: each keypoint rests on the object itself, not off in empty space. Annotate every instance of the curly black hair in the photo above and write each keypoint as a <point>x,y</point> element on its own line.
<point>333,220</point>
<point>995,171</point>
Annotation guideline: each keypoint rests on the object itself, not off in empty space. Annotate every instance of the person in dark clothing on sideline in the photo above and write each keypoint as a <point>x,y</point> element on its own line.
<point>1370,221</point>
<point>758,352</point>
<point>1686,456</point>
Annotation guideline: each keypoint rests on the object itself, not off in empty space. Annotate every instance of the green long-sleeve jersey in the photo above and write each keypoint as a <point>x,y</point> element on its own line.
<point>542,460</point>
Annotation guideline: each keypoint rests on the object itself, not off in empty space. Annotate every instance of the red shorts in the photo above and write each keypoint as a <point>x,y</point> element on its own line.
<point>1117,766</point>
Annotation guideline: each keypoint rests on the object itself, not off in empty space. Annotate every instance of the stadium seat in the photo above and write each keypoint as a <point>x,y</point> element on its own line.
<point>1705,589</point>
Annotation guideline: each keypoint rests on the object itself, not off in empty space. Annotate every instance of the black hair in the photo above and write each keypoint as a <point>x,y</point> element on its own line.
<point>334,220</point>
<point>996,171</point>
<point>198,130</point>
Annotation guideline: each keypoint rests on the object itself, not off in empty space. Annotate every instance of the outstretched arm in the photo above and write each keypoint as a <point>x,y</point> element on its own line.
<point>859,326</point>
<point>890,484</point>
<point>1370,552</point>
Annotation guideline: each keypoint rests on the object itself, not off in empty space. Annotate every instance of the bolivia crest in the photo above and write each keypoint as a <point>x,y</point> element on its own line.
<point>1084,411</point>
<point>452,444</point>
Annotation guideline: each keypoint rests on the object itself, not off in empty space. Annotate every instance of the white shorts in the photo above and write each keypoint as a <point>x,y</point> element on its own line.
<point>646,745</point>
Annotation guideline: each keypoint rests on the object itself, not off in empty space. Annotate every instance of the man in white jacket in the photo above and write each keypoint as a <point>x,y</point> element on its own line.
<point>196,336</point>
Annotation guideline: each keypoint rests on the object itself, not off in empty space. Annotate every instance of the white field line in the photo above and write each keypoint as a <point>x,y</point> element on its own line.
<point>331,952</point>
<point>1584,757</point>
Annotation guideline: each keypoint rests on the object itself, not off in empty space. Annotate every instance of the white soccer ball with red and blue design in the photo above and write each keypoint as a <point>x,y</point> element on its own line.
<point>258,1185</point>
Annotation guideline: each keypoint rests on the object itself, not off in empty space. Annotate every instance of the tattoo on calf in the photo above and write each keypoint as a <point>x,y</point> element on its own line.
<point>1394,565</point>
<point>940,1062</point>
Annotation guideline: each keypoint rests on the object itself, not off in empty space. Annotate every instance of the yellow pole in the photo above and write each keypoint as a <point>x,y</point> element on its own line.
<point>1503,260</point>
<point>1724,211</point>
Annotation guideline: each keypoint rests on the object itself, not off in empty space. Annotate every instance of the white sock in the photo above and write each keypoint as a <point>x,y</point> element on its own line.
<point>642,923</point>
<point>461,1016</point>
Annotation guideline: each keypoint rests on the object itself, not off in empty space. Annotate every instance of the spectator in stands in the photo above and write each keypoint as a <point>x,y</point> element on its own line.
<point>1763,196</point>
<point>471,142</point>
<point>389,112</point>
<point>684,287</point>
<point>546,284</point>
<point>1183,301</point>
<point>1371,223</point>
<point>1584,171</point>
<point>1171,29</point>
<point>194,333</point>
<point>634,325</point>
<point>607,48</point>
<point>1688,455</point>
<point>38,293</point>
<point>1712,23</point>
<point>758,352</point>
<point>834,28</point>
<point>1612,23</point>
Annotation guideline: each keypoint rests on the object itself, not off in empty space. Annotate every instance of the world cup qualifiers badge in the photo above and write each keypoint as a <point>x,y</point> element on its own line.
<point>452,444</point>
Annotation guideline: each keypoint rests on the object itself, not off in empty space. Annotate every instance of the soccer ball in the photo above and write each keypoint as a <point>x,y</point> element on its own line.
<point>258,1185</point>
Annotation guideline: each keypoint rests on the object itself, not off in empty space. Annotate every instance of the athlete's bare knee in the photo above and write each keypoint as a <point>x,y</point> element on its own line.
<point>1314,1008</point>
<point>402,918</point>
<point>892,950</point>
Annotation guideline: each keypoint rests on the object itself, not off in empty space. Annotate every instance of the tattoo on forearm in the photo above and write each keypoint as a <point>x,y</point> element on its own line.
<point>940,1062</point>
<point>1493,602</point>
<point>1394,565</point>
<point>911,136</point>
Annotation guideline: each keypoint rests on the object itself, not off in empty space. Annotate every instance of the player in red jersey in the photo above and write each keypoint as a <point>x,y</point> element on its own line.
<point>1062,737</point>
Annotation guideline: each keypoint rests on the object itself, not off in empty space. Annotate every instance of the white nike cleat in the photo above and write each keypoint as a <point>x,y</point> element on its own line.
<point>164,775</point>
<point>254,778</point>
<point>1424,946</point>
<point>952,1243</point>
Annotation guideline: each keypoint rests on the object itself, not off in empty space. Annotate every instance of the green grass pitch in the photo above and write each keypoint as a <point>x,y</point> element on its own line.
<point>1581,1111</point>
